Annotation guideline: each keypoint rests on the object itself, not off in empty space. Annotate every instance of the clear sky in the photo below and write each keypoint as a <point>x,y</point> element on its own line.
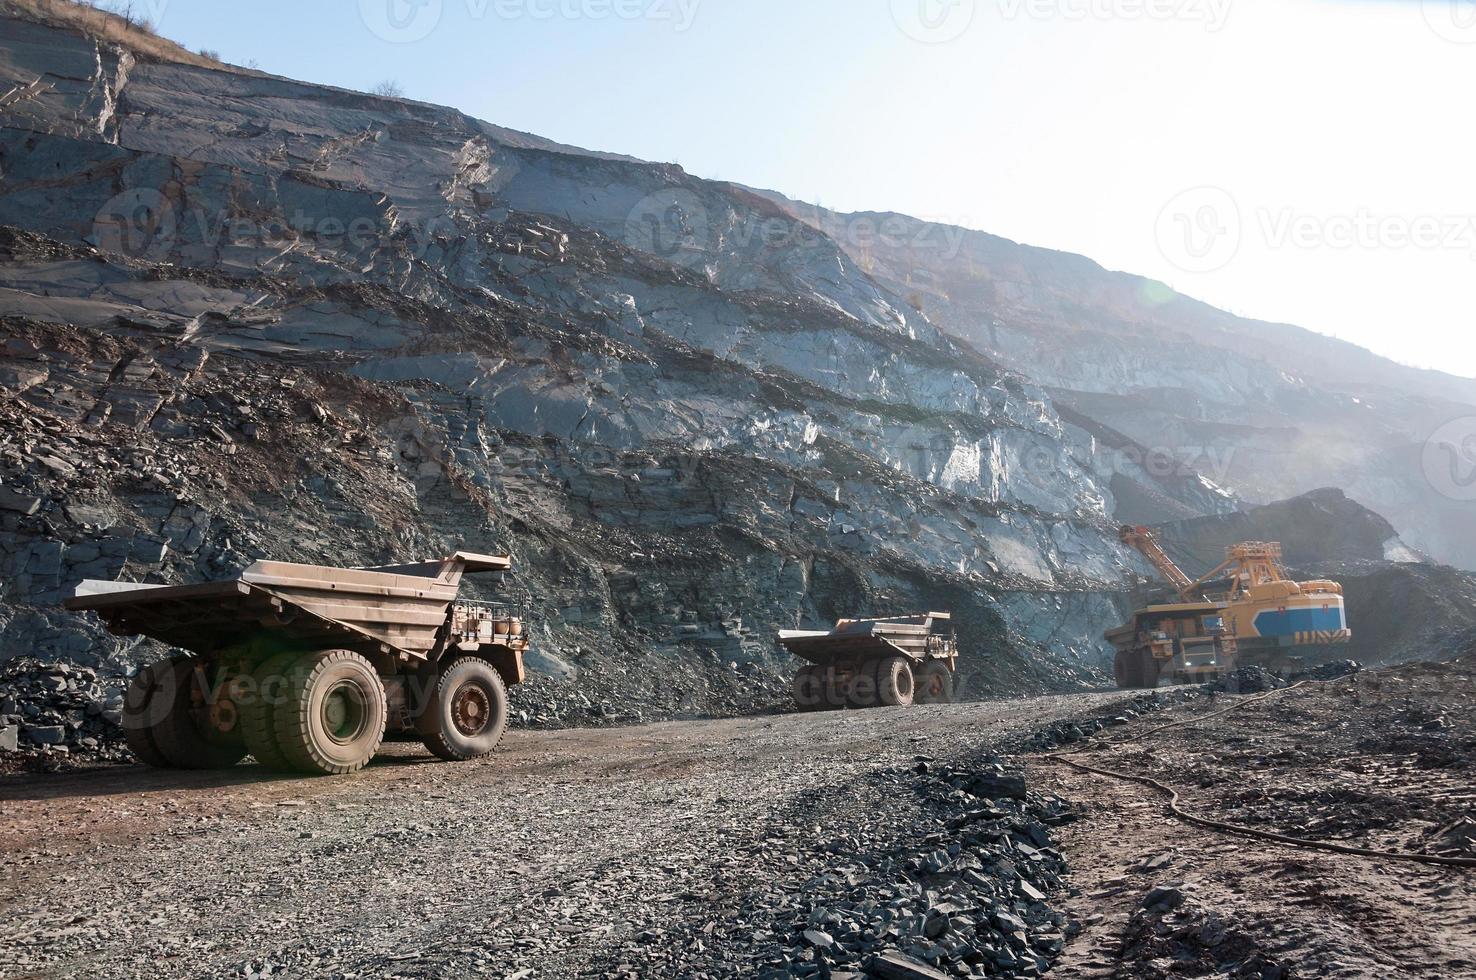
<point>1312,161</point>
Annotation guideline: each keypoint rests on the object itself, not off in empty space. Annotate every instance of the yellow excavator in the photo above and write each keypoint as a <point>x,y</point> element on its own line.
<point>1264,618</point>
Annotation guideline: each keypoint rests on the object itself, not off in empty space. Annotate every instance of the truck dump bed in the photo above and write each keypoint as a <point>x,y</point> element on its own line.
<point>390,610</point>
<point>914,637</point>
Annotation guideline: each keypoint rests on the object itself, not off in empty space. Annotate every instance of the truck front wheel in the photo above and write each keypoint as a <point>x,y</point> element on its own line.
<point>465,712</point>
<point>332,714</point>
<point>934,683</point>
<point>1125,670</point>
<point>894,682</point>
<point>1150,670</point>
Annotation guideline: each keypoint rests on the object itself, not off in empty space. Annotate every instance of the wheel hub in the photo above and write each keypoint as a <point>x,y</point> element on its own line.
<point>224,715</point>
<point>471,709</point>
<point>345,711</point>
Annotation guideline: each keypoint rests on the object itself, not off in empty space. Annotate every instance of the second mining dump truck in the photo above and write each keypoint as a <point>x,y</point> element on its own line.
<point>1265,618</point>
<point>863,663</point>
<point>306,667</point>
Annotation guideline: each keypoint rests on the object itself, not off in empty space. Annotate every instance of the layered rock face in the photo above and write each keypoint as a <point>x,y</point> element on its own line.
<point>1267,411</point>
<point>245,316</point>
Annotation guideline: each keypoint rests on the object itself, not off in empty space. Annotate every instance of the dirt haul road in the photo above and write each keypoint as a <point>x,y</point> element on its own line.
<point>571,852</point>
<point>1380,760</point>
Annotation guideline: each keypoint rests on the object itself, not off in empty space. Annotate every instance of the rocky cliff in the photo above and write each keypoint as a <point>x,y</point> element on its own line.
<point>248,316</point>
<point>1267,411</point>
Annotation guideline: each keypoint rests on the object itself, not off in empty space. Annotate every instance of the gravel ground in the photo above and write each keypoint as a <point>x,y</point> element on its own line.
<point>788,845</point>
<point>579,852</point>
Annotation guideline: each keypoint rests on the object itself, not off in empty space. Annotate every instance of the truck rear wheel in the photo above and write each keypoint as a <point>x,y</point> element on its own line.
<point>332,716</point>
<point>809,689</point>
<point>137,721</point>
<point>863,692</point>
<point>466,711</point>
<point>934,683</point>
<point>836,685</point>
<point>182,731</point>
<point>258,713</point>
<point>894,682</point>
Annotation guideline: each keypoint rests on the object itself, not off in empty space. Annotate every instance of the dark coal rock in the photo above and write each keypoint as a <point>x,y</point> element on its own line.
<point>51,714</point>
<point>1250,679</point>
<point>967,894</point>
<point>1065,733</point>
<point>1331,671</point>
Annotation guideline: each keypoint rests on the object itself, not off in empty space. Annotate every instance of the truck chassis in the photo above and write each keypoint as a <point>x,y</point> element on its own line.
<point>307,667</point>
<point>867,663</point>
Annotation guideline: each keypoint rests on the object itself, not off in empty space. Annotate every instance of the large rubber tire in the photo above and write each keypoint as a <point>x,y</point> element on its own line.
<point>894,682</point>
<point>862,691</point>
<point>1125,669</point>
<point>809,689</point>
<point>1149,669</point>
<point>465,712</point>
<point>836,685</point>
<point>333,712</point>
<point>181,732</point>
<point>137,723</point>
<point>934,683</point>
<point>259,713</point>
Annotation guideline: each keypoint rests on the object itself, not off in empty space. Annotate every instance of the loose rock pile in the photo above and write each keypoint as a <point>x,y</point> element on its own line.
<point>57,711</point>
<point>1248,680</point>
<point>1070,732</point>
<point>1455,840</point>
<point>1332,671</point>
<point>967,897</point>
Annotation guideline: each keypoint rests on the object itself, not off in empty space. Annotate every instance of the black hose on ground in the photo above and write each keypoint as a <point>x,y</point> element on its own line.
<point>1236,829</point>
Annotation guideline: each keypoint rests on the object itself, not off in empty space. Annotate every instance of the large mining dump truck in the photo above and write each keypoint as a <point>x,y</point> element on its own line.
<point>1265,618</point>
<point>864,663</point>
<point>307,667</point>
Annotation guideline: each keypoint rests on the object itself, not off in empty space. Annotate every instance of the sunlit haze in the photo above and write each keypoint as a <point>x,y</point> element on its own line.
<point>1292,160</point>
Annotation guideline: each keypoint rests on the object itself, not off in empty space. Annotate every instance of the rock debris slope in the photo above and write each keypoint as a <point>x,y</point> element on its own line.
<point>242,316</point>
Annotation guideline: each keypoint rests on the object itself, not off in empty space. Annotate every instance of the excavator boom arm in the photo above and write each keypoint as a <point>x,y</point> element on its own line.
<point>1147,545</point>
